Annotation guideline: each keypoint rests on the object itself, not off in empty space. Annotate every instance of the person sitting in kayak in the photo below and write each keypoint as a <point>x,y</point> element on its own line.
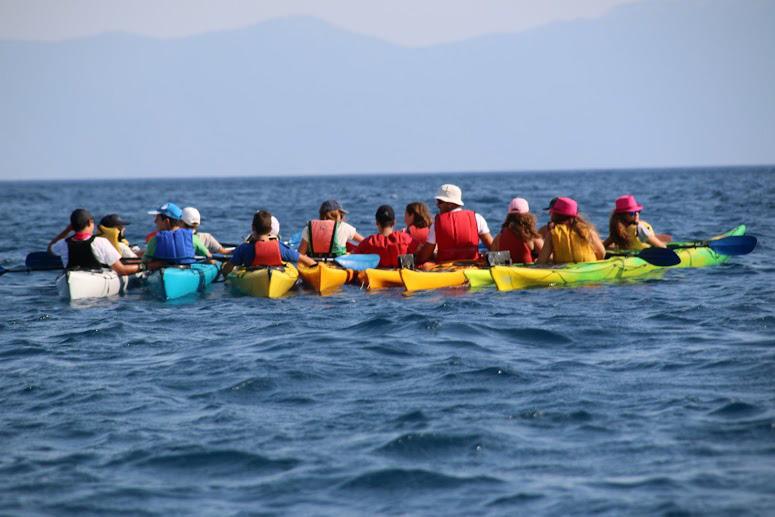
<point>570,237</point>
<point>191,220</point>
<point>418,221</point>
<point>264,249</point>
<point>113,228</point>
<point>544,230</point>
<point>84,250</point>
<point>518,234</point>
<point>626,230</point>
<point>455,232</point>
<point>172,244</point>
<point>327,237</point>
<point>387,243</point>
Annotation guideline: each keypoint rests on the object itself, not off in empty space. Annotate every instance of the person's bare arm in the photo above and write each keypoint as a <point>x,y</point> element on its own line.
<point>425,253</point>
<point>59,237</point>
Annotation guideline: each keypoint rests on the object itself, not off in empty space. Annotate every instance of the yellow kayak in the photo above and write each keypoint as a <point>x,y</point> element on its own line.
<point>264,282</point>
<point>381,278</point>
<point>325,277</point>
<point>479,277</point>
<point>508,278</point>
<point>424,280</point>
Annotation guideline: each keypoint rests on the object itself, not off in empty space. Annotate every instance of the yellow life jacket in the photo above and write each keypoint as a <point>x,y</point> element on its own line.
<point>634,238</point>
<point>112,235</point>
<point>567,246</point>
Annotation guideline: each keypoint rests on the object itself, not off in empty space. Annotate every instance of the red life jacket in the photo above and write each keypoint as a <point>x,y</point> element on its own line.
<point>418,234</point>
<point>457,236</point>
<point>322,241</point>
<point>388,247</point>
<point>267,253</point>
<point>520,252</point>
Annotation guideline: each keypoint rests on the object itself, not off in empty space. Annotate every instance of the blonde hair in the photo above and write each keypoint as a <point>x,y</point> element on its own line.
<point>332,215</point>
<point>578,224</point>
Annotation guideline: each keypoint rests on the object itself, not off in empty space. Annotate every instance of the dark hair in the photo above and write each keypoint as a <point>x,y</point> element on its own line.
<point>422,216</point>
<point>385,216</point>
<point>262,222</point>
<point>79,219</point>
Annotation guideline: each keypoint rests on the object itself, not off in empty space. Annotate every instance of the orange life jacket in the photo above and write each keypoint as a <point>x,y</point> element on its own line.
<point>519,250</point>
<point>457,236</point>
<point>267,253</point>
<point>322,239</point>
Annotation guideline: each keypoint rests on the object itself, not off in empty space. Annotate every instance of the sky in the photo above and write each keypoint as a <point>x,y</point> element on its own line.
<point>403,22</point>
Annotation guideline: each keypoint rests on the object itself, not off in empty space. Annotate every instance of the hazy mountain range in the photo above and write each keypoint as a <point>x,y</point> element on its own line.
<point>659,83</point>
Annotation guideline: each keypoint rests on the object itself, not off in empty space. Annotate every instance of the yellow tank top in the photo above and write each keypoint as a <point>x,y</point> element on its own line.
<point>567,246</point>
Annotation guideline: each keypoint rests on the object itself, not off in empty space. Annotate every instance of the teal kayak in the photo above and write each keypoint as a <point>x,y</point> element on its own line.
<point>177,281</point>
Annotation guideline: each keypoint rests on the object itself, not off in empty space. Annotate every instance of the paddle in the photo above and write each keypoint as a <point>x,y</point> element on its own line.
<point>662,257</point>
<point>732,245</point>
<point>43,261</point>
<point>358,262</point>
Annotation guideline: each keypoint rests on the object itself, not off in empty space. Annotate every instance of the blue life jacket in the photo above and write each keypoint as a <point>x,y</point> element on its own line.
<point>175,247</point>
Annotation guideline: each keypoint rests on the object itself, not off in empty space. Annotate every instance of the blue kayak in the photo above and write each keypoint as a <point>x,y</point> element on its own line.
<point>177,281</point>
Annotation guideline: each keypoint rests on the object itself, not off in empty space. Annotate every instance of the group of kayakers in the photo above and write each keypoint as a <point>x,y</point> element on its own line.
<point>453,235</point>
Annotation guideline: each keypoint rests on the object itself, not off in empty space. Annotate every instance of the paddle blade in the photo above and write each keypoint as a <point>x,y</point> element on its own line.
<point>358,262</point>
<point>42,261</point>
<point>662,257</point>
<point>733,245</point>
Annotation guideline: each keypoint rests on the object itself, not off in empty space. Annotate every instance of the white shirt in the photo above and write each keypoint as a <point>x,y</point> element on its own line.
<point>210,242</point>
<point>103,251</point>
<point>481,227</point>
<point>344,233</point>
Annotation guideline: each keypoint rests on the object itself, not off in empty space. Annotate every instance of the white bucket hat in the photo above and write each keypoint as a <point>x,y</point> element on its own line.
<point>191,216</point>
<point>450,194</point>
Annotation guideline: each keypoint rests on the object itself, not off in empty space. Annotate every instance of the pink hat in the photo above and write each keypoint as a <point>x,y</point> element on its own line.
<point>565,206</point>
<point>627,204</point>
<point>519,206</point>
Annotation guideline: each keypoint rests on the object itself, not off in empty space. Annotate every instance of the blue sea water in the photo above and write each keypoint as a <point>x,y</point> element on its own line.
<point>651,397</point>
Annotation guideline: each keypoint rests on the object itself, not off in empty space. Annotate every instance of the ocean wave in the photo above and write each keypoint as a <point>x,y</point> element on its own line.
<point>391,479</point>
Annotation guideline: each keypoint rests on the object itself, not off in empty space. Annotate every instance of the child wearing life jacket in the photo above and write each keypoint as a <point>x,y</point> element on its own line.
<point>387,243</point>
<point>418,221</point>
<point>113,228</point>
<point>84,250</point>
<point>570,237</point>
<point>518,233</point>
<point>264,249</point>
<point>626,230</point>
<point>328,236</point>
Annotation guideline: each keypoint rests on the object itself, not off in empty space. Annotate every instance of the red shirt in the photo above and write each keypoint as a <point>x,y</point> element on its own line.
<point>388,247</point>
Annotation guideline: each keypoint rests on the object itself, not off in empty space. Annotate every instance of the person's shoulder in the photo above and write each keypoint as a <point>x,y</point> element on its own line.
<point>102,242</point>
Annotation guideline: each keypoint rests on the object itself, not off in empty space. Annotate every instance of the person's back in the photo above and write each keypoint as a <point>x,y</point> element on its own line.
<point>518,234</point>
<point>387,243</point>
<point>327,237</point>
<point>456,236</point>
<point>570,237</point>
<point>172,244</point>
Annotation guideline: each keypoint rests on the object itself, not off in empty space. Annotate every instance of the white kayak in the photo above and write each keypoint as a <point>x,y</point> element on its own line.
<point>77,285</point>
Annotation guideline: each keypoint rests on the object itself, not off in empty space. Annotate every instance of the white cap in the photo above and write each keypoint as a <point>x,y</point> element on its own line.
<point>191,216</point>
<point>275,227</point>
<point>451,194</point>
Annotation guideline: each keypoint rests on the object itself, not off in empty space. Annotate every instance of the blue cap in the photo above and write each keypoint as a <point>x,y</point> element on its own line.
<point>170,210</point>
